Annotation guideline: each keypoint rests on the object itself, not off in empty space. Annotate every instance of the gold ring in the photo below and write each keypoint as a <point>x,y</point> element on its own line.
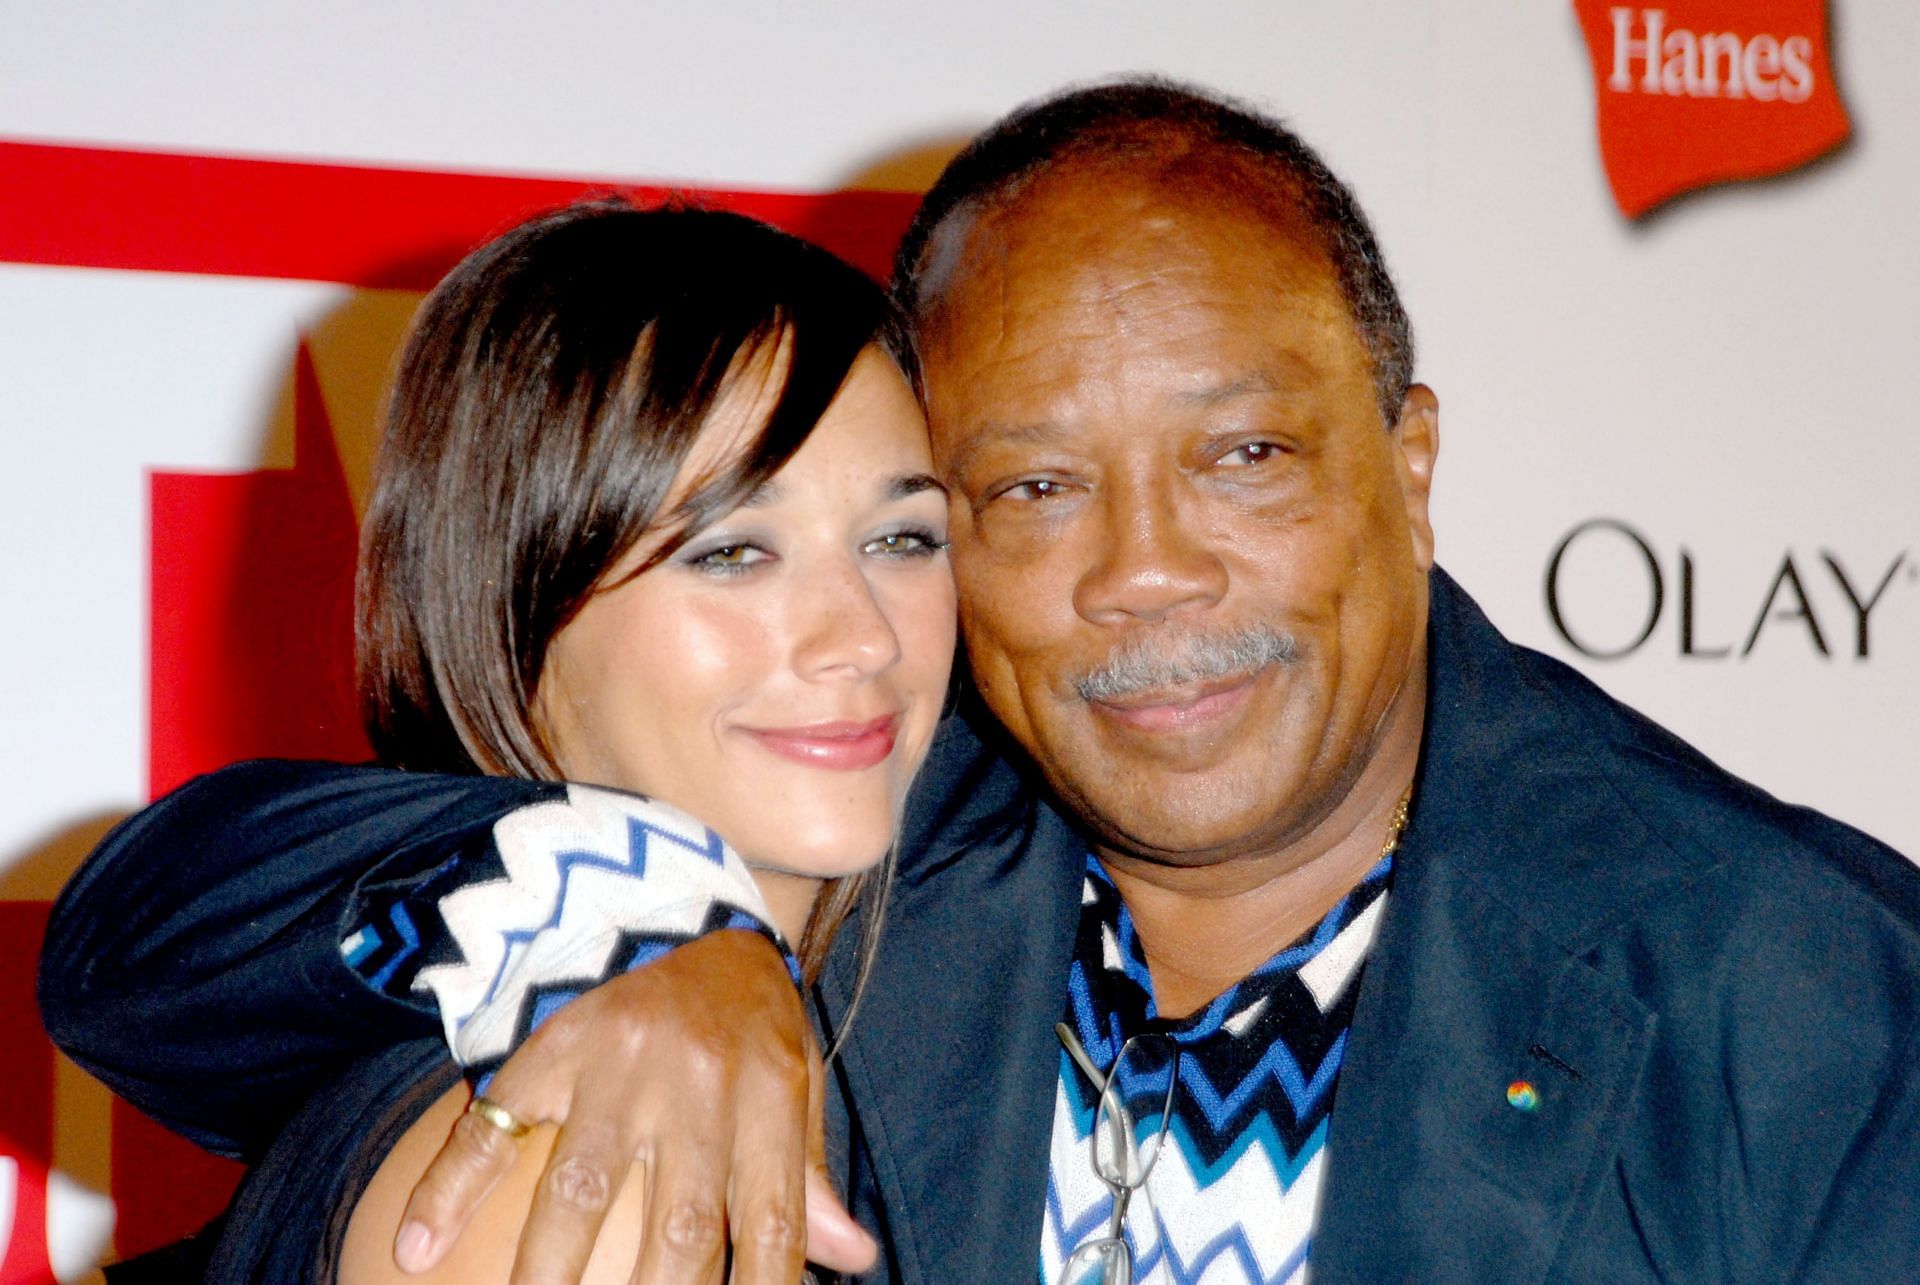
<point>500,1118</point>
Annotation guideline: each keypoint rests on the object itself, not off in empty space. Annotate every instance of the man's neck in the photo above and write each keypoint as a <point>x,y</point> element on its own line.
<point>1205,928</point>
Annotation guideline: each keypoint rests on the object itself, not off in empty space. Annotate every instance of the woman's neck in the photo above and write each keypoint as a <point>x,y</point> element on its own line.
<point>789,899</point>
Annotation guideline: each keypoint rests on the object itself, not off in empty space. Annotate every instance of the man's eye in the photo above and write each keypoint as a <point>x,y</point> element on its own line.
<point>1251,453</point>
<point>1038,488</point>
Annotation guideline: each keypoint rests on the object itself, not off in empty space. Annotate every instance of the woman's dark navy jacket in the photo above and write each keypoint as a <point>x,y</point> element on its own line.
<point>1716,995</point>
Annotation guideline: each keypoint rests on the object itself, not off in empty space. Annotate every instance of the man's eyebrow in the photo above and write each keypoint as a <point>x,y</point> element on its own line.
<point>994,434</point>
<point>1252,384</point>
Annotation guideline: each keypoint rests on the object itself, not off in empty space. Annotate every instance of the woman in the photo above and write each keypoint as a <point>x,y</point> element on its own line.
<point>654,512</point>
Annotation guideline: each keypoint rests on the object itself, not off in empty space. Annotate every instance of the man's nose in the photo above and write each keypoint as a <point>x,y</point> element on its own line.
<point>844,628</point>
<point>1151,562</point>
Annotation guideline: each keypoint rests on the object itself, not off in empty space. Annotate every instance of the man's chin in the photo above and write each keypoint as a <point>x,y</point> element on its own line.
<point>1191,842</point>
<point>1177,817</point>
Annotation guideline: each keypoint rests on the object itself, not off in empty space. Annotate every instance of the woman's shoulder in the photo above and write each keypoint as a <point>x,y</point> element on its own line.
<point>287,1218</point>
<point>485,1250</point>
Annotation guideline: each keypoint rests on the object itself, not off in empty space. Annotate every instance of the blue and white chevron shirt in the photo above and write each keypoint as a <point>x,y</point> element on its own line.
<point>565,893</point>
<point>1235,1193</point>
<point>559,897</point>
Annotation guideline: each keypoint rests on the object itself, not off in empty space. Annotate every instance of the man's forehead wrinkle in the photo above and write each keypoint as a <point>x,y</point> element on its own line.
<point>1258,382</point>
<point>1119,313</point>
<point>1002,274</point>
<point>1103,291</point>
<point>1091,333</point>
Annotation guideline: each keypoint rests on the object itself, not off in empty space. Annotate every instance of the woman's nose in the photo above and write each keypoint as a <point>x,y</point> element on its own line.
<point>845,630</point>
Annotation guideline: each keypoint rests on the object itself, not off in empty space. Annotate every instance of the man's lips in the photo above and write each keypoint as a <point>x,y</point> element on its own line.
<point>838,746</point>
<point>1174,709</point>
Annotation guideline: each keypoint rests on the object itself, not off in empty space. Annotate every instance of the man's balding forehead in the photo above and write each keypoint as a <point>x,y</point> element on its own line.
<point>1172,132</point>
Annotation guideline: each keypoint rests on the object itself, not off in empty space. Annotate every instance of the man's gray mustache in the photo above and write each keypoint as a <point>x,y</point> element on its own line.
<point>1160,661</point>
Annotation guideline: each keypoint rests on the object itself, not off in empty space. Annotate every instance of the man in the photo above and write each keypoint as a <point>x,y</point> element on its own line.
<point>1600,1011</point>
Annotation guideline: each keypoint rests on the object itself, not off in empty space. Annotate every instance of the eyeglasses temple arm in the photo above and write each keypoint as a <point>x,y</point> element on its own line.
<point>1071,1043</point>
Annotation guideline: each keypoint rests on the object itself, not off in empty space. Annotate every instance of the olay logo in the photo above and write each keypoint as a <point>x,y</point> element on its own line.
<point>1610,589</point>
<point>1698,92</point>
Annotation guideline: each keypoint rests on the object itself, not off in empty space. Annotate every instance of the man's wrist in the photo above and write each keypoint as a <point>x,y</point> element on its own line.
<point>564,894</point>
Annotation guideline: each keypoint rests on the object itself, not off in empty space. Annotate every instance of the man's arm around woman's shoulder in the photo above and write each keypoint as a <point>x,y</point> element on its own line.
<point>193,963</point>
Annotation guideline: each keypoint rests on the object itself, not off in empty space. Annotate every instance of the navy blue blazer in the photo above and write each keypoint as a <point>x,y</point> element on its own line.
<point>1714,994</point>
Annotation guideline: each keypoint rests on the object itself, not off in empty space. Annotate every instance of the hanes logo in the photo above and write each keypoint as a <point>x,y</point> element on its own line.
<point>1697,92</point>
<point>1717,64</point>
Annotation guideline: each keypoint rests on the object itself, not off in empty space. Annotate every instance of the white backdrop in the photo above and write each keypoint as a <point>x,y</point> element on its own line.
<point>1726,382</point>
<point>1728,378</point>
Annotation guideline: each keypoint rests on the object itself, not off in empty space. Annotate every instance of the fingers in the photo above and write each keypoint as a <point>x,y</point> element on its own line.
<point>685,1240</point>
<point>767,1201</point>
<point>476,1156</point>
<point>590,1160</point>
<point>697,1069</point>
<point>833,1238</point>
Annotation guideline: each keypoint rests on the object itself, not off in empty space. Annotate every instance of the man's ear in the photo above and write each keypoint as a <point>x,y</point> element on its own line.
<point>1416,440</point>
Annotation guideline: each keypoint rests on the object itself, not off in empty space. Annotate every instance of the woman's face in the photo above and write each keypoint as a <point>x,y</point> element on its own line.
<point>780,675</point>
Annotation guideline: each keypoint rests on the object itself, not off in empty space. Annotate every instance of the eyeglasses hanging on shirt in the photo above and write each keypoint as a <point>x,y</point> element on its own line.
<point>1130,1124</point>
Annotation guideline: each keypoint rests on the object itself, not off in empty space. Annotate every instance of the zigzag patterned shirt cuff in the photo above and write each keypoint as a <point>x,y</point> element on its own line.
<point>560,896</point>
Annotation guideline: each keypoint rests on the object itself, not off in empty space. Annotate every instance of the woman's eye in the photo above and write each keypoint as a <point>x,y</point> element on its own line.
<point>904,544</point>
<point>727,559</point>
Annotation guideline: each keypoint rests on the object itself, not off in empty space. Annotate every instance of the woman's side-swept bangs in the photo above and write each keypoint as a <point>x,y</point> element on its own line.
<point>552,389</point>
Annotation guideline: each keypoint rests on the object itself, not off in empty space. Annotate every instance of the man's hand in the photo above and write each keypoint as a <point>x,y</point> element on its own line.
<point>700,1068</point>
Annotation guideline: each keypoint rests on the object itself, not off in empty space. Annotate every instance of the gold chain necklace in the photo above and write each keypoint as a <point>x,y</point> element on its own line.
<point>1396,824</point>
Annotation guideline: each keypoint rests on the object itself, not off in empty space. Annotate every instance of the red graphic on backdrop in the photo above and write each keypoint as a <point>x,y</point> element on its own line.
<point>23,1218</point>
<point>47,1221</point>
<point>1697,92</point>
<point>356,224</point>
<point>252,629</point>
<point>26,1117</point>
<point>251,642</point>
<point>26,1123</point>
<point>252,656</point>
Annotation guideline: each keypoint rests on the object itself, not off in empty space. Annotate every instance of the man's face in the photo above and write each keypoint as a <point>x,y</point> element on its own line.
<point>1190,555</point>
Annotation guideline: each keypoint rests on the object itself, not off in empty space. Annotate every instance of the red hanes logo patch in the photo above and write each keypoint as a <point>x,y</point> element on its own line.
<point>1709,91</point>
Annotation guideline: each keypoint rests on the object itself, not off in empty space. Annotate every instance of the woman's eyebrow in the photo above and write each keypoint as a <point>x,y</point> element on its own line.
<point>903,485</point>
<point>767,493</point>
<point>900,486</point>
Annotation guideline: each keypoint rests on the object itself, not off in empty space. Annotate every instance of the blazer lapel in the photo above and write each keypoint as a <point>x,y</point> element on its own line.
<point>1433,1162</point>
<point>951,1060</point>
<point>1477,985</point>
<point>1515,861</point>
<point>1476,982</point>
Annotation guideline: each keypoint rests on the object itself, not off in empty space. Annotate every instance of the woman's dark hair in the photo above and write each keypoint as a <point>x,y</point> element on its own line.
<point>552,388</point>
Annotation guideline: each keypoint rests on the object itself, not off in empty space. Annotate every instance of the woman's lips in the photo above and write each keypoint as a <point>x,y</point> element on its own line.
<point>840,747</point>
